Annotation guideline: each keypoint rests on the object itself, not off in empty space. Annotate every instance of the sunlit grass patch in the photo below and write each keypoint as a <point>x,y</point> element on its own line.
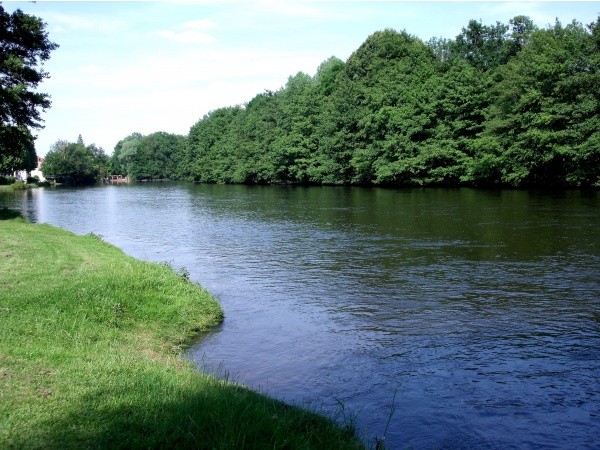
<point>90,348</point>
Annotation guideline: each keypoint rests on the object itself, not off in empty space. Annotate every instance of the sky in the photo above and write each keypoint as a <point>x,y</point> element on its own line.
<point>125,67</point>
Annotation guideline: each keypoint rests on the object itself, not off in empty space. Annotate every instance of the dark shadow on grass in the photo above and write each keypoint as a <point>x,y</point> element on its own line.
<point>8,214</point>
<point>233,418</point>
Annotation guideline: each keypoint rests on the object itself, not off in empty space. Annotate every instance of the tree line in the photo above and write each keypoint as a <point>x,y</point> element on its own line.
<point>499,105</point>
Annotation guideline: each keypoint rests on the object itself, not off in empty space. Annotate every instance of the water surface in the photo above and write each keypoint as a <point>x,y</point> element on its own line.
<point>478,310</point>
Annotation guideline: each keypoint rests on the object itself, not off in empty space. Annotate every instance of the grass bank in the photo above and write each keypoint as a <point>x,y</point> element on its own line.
<point>20,186</point>
<point>90,343</point>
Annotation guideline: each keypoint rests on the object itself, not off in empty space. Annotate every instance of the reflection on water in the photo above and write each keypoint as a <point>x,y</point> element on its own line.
<point>480,308</point>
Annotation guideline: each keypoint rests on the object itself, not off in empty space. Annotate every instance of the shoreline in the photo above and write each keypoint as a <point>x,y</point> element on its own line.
<point>90,356</point>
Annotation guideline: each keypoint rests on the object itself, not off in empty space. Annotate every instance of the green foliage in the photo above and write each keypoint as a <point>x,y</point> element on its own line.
<point>484,47</point>
<point>217,147</point>
<point>24,46</point>
<point>123,154</point>
<point>326,75</point>
<point>75,163</point>
<point>545,110</point>
<point>17,151</point>
<point>19,186</point>
<point>157,156</point>
<point>509,105</point>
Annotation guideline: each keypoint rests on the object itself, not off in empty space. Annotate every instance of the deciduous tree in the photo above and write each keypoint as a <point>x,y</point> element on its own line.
<point>74,163</point>
<point>24,47</point>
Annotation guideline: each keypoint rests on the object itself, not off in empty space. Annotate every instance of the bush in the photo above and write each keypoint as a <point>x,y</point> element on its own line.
<point>34,179</point>
<point>18,185</point>
<point>10,179</point>
<point>3,180</point>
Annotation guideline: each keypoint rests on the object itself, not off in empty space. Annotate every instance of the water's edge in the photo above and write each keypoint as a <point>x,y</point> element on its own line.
<point>479,310</point>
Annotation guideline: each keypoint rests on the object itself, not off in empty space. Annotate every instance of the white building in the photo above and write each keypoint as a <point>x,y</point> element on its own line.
<point>22,174</point>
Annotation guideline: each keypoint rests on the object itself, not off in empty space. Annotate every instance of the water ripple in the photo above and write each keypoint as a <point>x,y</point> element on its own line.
<point>481,310</point>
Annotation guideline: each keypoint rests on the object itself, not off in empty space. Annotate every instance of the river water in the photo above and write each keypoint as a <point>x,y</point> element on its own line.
<point>468,319</point>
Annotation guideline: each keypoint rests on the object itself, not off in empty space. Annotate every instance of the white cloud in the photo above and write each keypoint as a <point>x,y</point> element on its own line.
<point>297,10</point>
<point>201,24</point>
<point>190,32</point>
<point>158,66</point>
<point>61,23</point>
<point>186,36</point>
<point>89,69</point>
<point>503,11</point>
<point>108,99</point>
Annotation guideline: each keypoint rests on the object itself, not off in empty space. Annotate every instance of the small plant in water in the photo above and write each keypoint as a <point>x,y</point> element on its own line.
<point>380,442</point>
<point>96,236</point>
<point>346,420</point>
<point>166,264</point>
<point>184,273</point>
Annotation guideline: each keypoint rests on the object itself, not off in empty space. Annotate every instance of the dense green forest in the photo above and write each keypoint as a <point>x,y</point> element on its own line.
<point>499,105</point>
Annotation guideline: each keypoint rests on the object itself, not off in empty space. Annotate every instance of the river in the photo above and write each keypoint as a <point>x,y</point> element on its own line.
<point>468,319</point>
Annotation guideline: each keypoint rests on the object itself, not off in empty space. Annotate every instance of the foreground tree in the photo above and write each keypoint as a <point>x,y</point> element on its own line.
<point>24,46</point>
<point>17,150</point>
<point>75,163</point>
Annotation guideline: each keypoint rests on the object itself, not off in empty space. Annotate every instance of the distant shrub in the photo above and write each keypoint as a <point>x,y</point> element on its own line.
<point>10,179</point>
<point>34,179</point>
<point>44,184</point>
<point>18,185</point>
<point>3,180</point>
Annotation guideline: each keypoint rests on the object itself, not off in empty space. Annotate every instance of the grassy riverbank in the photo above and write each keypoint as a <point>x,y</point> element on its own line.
<point>90,343</point>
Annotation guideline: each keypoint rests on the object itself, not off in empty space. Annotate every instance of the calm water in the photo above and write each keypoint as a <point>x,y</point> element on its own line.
<point>479,310</point>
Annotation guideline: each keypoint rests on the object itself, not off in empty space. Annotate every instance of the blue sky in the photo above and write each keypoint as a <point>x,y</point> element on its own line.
<point>124,67</point>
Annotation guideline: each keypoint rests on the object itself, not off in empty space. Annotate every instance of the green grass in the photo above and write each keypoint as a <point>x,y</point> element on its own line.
<point>16,186</point>
<point>90,343</point>
<point>19,186</point>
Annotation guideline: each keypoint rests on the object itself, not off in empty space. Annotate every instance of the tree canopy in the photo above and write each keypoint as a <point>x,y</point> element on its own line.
<point>499,105</point>
<point>75,163</point>
<point>154,157</point>
<point>24,47</point>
